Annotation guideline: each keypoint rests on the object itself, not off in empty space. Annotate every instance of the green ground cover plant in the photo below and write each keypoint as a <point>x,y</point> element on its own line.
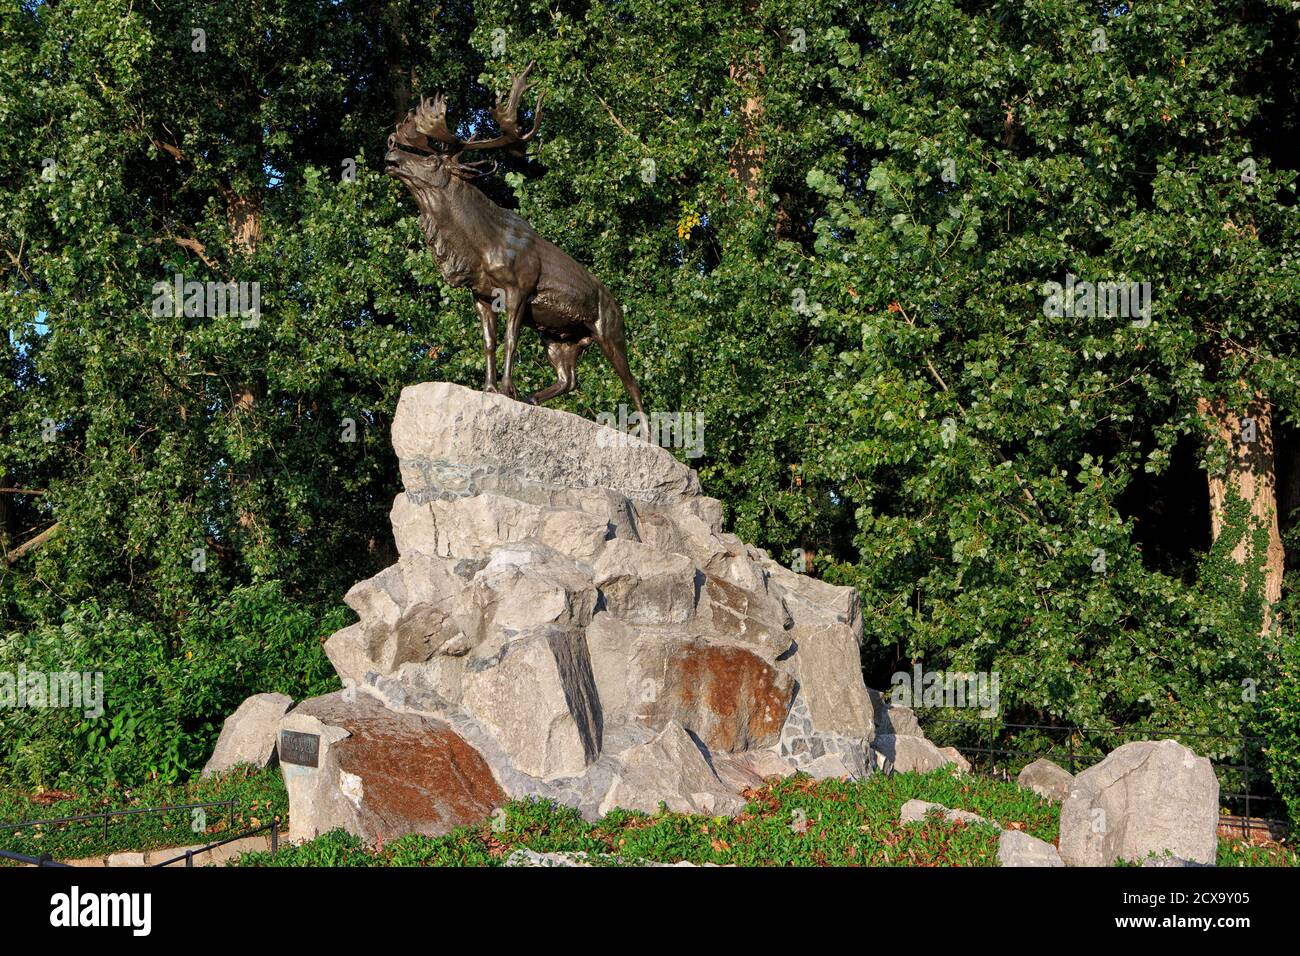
<point>259,798</point>
<point>793,822</point>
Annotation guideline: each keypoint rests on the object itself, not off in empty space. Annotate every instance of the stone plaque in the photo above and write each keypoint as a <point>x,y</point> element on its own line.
<point>299,748</point>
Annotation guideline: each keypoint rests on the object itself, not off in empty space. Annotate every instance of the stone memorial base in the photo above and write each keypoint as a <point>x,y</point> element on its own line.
<point>567,620</point>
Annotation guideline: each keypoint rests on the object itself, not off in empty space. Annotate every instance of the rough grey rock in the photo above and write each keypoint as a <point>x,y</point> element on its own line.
<point>751,769</point>
<point>954,757</point>
<point>249,734</point>
<point>1047,780</point>
<point>821,752</point>
<point>642,585</point>
<point>526,857</point>
<point>538,699</point>
<point>1145,797</point>
<point>907,753</point>
<point>893,719</point>
<point>1021,849</point>
<point>441,430</point>
<point>567,610</point>
<point>670,769</point>
<point>915,811</point>
<point>900,744</point>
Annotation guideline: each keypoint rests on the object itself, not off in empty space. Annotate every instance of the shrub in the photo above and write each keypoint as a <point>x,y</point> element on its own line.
<point>166,691</point>
<point>1281,728</point>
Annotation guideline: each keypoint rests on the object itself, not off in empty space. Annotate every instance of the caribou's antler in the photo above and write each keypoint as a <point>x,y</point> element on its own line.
<point>431,121</point>
<point>427,124</point>
<point>507,116</point>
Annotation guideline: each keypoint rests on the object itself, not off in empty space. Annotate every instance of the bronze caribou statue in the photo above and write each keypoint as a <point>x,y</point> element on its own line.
<point>498,255</point>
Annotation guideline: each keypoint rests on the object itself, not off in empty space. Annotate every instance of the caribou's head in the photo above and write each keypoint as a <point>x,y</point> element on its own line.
<point>424,154</point>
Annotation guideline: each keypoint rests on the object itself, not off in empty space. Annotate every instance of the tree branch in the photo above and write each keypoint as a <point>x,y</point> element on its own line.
<point>31,543</point>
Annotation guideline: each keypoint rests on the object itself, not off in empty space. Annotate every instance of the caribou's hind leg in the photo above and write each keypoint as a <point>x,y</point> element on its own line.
<point>615,349</point>
<point>608,332</point>
<point>563,357</point>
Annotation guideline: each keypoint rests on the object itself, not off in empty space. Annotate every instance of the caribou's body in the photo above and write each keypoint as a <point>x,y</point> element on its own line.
<point>500,257</point>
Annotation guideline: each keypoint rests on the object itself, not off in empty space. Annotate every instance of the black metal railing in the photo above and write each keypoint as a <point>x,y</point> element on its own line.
<point>1075,758</point>
<point>188,856</point>
<point>43,860</point>
<point>105,817</point>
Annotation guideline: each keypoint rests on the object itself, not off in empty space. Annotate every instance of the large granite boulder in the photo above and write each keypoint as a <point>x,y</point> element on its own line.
<point>568,620</point>
<point>893,720</point>
<point>692,786</point>
<point>249,734</point>
<point>908,754</point>
<point>1147,797</point>
<point>956,758</point>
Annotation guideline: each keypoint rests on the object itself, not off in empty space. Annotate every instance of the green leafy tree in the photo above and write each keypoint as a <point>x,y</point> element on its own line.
<point>833,228</point>
<point>1000,454</point>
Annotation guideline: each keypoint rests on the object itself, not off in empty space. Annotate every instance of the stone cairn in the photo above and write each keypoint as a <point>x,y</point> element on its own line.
<point>567,620</point>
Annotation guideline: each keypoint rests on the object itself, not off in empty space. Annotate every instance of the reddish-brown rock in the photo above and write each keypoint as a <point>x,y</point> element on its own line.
<point>392,774</point>
<point>728,697</point>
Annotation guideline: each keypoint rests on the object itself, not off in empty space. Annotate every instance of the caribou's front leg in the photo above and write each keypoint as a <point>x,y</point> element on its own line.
<point>489,320</point>
<point>514,320</point>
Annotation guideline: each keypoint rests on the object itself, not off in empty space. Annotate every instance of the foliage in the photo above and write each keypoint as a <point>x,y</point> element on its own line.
<point>996,457</point>
<point>796,822</point>
<point>1281,720</point>
<point>1240,853</point>
<point>860,323</point>
<point>165,697</point>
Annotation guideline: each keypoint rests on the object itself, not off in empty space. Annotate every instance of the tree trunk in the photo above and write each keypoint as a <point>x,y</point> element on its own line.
<point>244,217</point>
<point>745,160</point>
<point>1251,475</point>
